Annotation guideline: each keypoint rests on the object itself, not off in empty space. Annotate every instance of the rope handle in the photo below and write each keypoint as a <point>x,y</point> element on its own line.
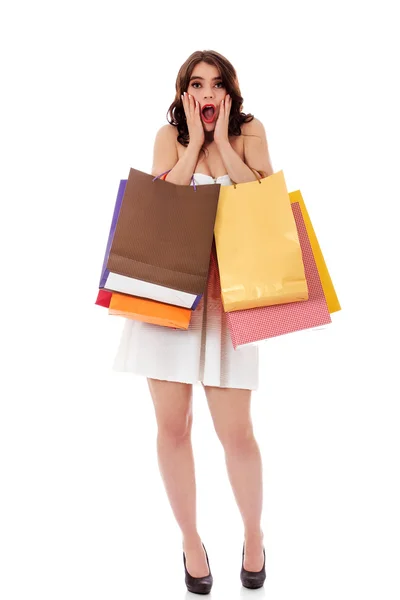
<point>259,174</point>
<point>163,176</point>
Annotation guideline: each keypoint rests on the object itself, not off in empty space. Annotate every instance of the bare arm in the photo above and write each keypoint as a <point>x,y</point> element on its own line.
<point>256,151</point>
<point>165,157</point>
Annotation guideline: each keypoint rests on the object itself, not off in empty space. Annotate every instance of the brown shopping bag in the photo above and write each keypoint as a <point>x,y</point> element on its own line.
<point>162,242</point>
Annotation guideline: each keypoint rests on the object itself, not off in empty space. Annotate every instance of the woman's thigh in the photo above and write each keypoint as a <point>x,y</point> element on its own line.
<point>230,410</point>
<point>173,405</point>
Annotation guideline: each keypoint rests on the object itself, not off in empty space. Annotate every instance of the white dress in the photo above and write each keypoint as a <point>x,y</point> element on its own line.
<point>202,353</point>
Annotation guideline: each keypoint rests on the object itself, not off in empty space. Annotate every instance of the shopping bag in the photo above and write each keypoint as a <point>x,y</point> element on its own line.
<point>255,324</point>
<point>149,311</point>
<point>162,241</point>
<point>103,298</point>
<point>129,306</point>
<point>326,281</point>
<point>258,248</point>
<point>117,208</point>
<point>143,309</point>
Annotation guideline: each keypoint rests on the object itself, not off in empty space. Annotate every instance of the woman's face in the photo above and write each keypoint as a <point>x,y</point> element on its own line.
<point>206,87</point>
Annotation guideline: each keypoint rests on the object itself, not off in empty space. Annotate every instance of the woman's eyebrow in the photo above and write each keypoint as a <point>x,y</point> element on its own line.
<point>198,77</point>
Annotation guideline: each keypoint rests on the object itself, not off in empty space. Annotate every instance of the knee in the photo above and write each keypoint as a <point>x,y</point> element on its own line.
<point>237,439</point>
<point>175,430</point>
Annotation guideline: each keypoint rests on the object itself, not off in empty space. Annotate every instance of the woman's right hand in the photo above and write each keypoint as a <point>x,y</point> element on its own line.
<point>193,119</point>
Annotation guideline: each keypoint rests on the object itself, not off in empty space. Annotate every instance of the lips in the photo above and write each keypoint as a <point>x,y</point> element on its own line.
<point>210,116</point>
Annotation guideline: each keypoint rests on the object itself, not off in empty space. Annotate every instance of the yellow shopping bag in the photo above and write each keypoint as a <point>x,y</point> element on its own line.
<point>258,249</point>
<point>326,281</point>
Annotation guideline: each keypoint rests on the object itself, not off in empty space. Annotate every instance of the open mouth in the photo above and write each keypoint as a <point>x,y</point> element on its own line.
<point>208,113</point>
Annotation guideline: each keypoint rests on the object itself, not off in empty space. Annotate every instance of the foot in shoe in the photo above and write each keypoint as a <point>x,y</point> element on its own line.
<point>253,555</point>
<point>196,562</point>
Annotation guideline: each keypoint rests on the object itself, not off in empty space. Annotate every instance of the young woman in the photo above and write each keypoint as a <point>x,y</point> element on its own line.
<point>217,145</point>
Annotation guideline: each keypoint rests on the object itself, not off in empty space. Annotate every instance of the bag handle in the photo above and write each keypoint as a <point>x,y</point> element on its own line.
<point>163,175</point>
<point>259,174</point>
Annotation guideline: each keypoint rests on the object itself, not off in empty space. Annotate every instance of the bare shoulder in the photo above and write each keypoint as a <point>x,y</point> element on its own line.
<point>256,151</point>
<point>253,127</point>
<point>171,128</point>
<point>167,131</point>
<point>165,155</point>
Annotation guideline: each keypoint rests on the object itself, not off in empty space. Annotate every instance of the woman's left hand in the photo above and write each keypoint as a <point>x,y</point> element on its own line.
<point>222,123</point>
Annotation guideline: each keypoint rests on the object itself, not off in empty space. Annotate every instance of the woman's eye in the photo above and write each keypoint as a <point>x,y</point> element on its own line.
<point>197,83</point>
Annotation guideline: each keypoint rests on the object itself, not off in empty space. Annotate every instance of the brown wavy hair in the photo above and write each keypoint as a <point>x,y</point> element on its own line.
<point>176,111</point>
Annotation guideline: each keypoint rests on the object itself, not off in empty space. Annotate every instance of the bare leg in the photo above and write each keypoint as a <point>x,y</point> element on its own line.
<point>173,407</point>
<point>230,411</point>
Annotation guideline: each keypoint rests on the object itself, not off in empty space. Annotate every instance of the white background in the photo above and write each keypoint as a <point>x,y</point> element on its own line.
<point>83,512</point>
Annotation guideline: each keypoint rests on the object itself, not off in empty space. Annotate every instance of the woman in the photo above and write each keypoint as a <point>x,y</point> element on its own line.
<point>213,146</point>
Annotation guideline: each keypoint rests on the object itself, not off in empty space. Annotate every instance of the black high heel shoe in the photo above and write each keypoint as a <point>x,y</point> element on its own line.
<point>252,579</point>
<point>198,585</point>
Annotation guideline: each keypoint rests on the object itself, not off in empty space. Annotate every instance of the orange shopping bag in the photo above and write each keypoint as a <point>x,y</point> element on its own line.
<point>149,311</point>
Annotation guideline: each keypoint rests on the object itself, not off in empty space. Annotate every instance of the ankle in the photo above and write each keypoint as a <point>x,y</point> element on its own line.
<point>191,539</point>
<point>253,536</point>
